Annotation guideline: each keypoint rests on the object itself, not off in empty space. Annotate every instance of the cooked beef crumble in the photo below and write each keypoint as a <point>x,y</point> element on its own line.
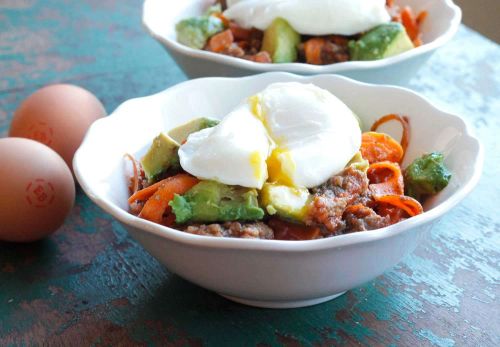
<point>256,230</point>
<point>331,202</point>
<point>363,218</point>
<point>332,198</point>
<point>334,50</point>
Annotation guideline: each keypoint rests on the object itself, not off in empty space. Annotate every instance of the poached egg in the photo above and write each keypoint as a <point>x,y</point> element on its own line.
<point>311,17</point>
<point>293,134</point>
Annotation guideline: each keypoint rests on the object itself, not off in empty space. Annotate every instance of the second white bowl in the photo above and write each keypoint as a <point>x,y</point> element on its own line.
<point>160,18</point>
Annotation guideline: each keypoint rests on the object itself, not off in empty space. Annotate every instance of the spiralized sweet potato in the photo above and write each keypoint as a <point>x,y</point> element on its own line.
<point>405,124</point>
<point>134,181</point>
<point>146,193</point>
<point>385,178</point>
<point>221,41</point>
<point>240,33</point>
<point>313,48</point>
<point>409,205</point>
<point>394,213</point>
<point>410,21</point>
<point>157,204</point>
<point>377,147</point>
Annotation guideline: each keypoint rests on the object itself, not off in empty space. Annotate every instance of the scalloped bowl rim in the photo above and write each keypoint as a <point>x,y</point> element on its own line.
<point>280,245</point>
<point>304,68</point>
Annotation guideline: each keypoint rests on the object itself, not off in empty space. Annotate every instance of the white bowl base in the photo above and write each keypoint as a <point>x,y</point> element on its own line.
<point>282,304</point>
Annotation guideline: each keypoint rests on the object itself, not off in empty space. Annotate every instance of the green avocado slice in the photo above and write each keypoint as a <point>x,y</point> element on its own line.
<point>161,156</point>
<point>210,201</point>
<point>281,41</point>
<point>181,133</point>
<point>385,40</point>
<point>427,175</point>
<point>194,32</point>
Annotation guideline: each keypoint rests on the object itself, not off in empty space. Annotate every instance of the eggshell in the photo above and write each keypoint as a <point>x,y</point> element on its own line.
<point>57,116</point>
<point>37,190</point>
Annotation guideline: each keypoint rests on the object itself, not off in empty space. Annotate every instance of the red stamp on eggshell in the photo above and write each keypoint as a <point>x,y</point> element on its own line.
<point>41,132</point>
<point>40,193</point>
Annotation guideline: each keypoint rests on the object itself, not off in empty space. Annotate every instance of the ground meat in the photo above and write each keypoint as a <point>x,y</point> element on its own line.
<point>334,49</point>
<point>363,218</point>
<point>327,210</point>
<point>142,182</point>
<point>365,199</point>
<point>351,182</point>
<point>256,230</point>
<point>136,207</point>
<point>251,42</point>
<point>332,198</point>
<point>334,53</point>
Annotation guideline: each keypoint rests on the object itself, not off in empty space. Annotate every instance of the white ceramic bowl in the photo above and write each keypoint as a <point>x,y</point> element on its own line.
<point>160,18</point>
<point>272,273</point>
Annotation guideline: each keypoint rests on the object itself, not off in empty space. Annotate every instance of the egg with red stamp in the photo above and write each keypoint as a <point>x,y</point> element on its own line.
<point>37,190</point>
<point>58,116</point>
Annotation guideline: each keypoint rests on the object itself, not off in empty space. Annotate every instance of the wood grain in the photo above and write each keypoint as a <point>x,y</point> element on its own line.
<point>90,284</point>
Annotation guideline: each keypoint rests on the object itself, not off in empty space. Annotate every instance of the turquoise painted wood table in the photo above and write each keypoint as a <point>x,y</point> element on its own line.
<point>91,284</point>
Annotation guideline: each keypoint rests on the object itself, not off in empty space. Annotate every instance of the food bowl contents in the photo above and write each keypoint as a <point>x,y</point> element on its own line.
<point>58,116</point>
<point>288,163</point>
<point>316,32</point>
<point>37,190</point>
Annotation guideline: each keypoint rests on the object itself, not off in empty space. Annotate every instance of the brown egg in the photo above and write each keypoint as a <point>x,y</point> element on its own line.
<point>37,190</point>
<point>57,116</point>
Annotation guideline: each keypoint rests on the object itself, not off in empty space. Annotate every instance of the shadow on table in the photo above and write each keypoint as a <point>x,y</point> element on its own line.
<point>177,294</point>
<point>25,260</point>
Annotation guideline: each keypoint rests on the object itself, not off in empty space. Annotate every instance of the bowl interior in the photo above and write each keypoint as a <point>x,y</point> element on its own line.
<point>101,168</point>
<point>161,16</point>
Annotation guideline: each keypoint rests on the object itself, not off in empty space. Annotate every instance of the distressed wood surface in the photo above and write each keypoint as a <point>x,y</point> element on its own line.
<point>91,284</point>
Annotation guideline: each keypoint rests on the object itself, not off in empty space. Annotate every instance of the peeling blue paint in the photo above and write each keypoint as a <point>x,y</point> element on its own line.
<point>436,340</point>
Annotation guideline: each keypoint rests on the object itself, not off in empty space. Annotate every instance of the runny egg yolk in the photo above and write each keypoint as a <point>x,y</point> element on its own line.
<point>257,164</point>
<point>280,164</point>
<point>256,108</point>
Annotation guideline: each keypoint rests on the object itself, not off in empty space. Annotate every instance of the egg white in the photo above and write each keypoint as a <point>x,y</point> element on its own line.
<point>315,132</point>
<point>311,17</point>
<point>290,133</point>
<point>234,152</point>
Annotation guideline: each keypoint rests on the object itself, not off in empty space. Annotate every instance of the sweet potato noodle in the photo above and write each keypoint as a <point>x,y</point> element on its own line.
<point>366,195</point>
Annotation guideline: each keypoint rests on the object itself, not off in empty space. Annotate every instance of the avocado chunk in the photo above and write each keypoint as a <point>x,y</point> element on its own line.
<point>161,156</point>
<point>284,201</point>
<point>359,163</point>
<point>210,201</point>
<point>427,175</point>
<point>181,133</point>
<point>385,40</point>
<point>194,32</point>
<point>281,41</point>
